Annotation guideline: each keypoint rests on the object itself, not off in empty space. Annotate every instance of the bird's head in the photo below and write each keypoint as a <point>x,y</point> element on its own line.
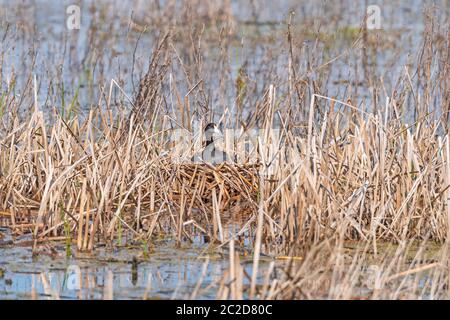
<point>212,132</point>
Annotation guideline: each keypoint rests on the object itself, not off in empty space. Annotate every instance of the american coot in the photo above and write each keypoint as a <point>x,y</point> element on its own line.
<point>212,153</point>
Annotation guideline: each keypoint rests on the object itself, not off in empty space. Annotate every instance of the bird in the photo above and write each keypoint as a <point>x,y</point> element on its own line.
<point>212,153</point>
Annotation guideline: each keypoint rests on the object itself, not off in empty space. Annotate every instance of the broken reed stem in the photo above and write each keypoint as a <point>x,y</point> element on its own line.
<point>217,219</point>
<point>81,214</point>
<point>87,224</point>
<point>180,218</point>
<point>232,270</point>
<point>258,238</point>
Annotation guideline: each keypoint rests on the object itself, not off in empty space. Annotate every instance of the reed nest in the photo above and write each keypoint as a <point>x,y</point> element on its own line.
<point>203,186</point>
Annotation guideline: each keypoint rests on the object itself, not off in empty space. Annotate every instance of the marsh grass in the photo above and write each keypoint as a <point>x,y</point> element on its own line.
<point>377,177</point>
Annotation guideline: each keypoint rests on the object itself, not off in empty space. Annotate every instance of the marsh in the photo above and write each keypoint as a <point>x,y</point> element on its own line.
<point>334,184</point>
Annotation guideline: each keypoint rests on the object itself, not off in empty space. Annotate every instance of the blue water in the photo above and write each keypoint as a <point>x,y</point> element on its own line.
<point>78,63</point>
<point>168,272</point>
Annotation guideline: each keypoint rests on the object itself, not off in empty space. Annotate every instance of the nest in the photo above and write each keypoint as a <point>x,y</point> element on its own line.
<point>203,186</point>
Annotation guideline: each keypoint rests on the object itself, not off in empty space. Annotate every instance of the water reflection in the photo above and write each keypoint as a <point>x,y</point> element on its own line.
<point>168,273</point>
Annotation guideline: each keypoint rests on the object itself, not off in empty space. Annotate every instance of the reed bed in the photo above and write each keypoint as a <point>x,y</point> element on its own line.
<point>95,177</point>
